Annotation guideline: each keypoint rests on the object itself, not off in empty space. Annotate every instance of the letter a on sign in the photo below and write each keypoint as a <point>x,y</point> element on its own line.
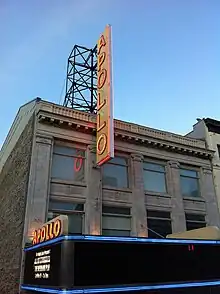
<point>105,123</point>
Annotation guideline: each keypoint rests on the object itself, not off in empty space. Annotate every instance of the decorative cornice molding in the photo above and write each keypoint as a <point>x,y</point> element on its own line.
<point>84,122</point>
<point>157,134</point>
<point>168,146</point>
<point>137,157</point>
<point>207,171</point>
<point>44,139</point>
<point>174,164</point>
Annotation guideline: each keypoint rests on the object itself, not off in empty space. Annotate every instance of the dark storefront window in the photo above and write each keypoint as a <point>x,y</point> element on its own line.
<point>74,211</point>
<point>189,182</point>
<point>195,221</point>
<point>115,173</point>
<point>116,221</point>
<point>218,147</point>
<point>159,223</point>
<point>68,163</point>
<point>154,177</point>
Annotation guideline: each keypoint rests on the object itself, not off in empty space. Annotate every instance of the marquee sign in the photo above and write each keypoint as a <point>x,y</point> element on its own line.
<point>50,230</point>
<point>43,265</point>
<point>83,264</point>
<point>105,124</point>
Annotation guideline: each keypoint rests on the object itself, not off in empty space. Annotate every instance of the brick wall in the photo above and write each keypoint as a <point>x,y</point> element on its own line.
<point>13,190</point>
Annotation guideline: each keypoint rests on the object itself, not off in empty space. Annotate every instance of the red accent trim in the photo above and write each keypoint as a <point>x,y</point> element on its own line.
<point>104,159</point>
<point>78,168</point>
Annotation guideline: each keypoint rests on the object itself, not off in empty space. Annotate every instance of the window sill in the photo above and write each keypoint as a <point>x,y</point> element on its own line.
<point>157,194</point>
<point>117,189</point>
<point>197,199</point>
<point>67,182</point>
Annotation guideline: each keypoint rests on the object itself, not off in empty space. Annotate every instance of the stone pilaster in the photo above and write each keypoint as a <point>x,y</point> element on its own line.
<point>38,189</point>
<point>174,190</point>
<point>208,193</point>
<point>139,216</point>
<point>93,206</point>
<point>39,184</point>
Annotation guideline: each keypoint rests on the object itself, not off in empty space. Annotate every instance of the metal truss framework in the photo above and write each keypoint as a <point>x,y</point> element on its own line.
<point>81,82</point>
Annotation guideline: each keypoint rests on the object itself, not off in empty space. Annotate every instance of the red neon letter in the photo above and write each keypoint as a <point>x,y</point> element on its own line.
<point>102,78</point>
<point>101,43</point>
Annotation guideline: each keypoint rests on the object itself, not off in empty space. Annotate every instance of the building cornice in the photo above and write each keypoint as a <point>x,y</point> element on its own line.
<point>84,122</point>
<point>212,125</point>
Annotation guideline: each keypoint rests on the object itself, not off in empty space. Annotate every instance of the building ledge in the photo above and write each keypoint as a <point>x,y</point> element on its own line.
<point>64,117</point>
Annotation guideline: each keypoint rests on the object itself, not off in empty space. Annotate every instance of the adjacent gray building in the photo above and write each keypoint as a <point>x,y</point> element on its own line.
<point>158,182</point>
<point>208,129</point>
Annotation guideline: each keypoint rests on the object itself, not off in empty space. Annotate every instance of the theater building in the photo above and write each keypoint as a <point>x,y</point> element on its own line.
<point>158,182</point>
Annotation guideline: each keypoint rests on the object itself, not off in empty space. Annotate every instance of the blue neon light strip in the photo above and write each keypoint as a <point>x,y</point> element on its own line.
<point>122,289</point>
<point>122,239</point>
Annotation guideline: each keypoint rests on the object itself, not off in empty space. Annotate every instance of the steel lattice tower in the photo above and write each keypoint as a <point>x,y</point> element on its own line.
<point>81,82</point>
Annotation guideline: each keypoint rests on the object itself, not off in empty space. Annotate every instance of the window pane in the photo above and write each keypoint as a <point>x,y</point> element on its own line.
<point>116,210</point>
<point>67,168</point>
<point>218,148</point>
<point>118,160</point>
<point>195,217</point>
<point>68,151</point>
<point>117,233</point>
<point>194,225</point>
<point>188,173</point>
<point>51,215</point>
<point>74,220</point>
<point>59,205</point>
<point>154,181</point>
<point>189,187</point>
<point>158,214</point>
<point>114,222</point>
<point>159,228</point>
<point>75,223</point>
<point>154,167</point>
<point>115,176</point>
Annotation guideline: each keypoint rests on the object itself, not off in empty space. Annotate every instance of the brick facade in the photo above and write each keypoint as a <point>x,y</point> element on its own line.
<point>13,189</point>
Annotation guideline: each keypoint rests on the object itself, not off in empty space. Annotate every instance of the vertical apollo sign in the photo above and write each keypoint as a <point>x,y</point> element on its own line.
<point>105,123</point>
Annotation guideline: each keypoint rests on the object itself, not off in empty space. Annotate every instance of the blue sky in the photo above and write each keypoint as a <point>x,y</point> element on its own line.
<point>166,56</point>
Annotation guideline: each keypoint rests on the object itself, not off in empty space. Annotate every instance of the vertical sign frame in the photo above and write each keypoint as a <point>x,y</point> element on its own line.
<point>105,122</point>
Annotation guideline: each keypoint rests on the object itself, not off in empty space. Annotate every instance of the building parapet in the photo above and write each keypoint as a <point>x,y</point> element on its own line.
<point>53,113</point>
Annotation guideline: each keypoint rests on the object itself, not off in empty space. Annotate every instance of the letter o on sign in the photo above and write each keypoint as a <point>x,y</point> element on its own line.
<point>102,78</point>
<point>101,144</point>
<point>57,228</point>
<point>43,234</point>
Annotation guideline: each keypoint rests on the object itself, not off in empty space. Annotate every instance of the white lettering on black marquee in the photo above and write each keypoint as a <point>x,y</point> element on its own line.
<point>42,264</point>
